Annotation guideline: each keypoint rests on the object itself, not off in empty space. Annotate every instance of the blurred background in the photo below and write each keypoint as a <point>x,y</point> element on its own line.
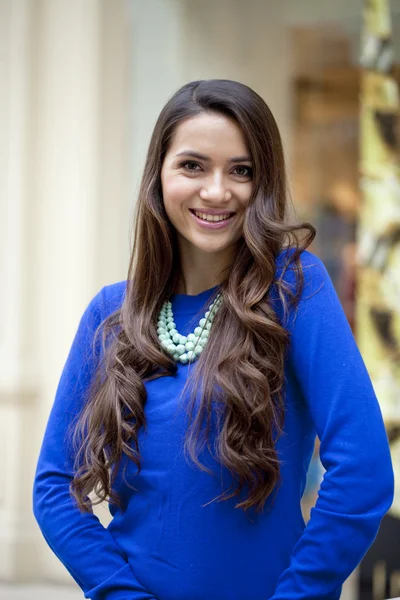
<point>81,85</point>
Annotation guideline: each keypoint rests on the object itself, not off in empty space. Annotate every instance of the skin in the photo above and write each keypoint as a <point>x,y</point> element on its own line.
<point>200,184</point>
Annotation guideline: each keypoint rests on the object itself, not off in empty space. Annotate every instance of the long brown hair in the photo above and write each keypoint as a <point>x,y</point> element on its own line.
<point>245,354</point>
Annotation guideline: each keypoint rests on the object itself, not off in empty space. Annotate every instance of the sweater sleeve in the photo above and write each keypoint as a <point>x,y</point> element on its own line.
<point>79,540</point>
<point>358,485</point>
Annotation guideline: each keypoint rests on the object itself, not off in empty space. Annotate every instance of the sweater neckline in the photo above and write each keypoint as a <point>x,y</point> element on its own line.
<point>189,303</point>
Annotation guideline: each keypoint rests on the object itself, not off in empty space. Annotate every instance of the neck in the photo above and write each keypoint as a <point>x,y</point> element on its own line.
<point>201,271</point>
<point>195,281</point>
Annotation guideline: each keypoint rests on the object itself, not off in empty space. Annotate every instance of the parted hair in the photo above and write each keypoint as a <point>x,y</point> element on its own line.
<point>241,370</point>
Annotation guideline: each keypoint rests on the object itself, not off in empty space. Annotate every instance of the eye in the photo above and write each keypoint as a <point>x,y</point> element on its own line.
<point>189,164</point>
<point>186,163</point>
<point>249,171</point>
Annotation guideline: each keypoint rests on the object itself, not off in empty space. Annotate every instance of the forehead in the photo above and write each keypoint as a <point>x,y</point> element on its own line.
<point>208,132</point>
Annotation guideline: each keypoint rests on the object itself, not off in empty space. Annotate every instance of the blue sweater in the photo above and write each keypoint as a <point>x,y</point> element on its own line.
<point>167,545</point>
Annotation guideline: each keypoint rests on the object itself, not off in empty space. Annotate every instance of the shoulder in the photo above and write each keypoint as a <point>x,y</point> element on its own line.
<point>313,269</point>
<point>107,301</point>
<point>308,260</point>
<point>316,287</point>
<point>113,296</point>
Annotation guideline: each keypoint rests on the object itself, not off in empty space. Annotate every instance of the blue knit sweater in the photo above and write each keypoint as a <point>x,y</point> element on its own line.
<point>169,544</point>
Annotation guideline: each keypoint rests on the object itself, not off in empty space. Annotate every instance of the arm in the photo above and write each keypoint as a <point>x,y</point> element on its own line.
<point>82,544</point>
<point>358,486</point>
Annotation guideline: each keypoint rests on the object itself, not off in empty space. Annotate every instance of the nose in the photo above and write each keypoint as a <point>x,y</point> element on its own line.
<point>216,190</point>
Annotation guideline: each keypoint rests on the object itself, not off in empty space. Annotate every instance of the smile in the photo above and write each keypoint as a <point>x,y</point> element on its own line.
<point>212,221</point>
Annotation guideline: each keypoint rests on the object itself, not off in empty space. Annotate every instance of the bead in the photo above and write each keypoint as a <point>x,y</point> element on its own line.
<point>185,348</point>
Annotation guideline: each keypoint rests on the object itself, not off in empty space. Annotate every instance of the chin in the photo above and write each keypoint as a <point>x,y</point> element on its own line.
<point>208,244</point>
<point>209,248</point>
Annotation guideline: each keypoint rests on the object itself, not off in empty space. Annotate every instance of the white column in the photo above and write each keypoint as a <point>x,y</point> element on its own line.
<point>81,183</point>
<point>64,187</point>
<point>64,191</point>
<point>17,369</point>
<point>15,43</point>
<point>115,177</point>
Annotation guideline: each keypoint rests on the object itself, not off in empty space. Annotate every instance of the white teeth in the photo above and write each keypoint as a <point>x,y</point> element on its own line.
<point>206,217</point>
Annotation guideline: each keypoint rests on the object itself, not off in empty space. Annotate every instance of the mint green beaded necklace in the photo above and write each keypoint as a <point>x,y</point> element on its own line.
<point>185,348</point>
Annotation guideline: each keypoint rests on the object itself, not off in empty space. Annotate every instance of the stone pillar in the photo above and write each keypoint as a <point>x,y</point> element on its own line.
<point>18,376</point>
<point>63,226</point>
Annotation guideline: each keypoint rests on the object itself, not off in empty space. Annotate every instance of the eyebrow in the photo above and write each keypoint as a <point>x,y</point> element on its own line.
<point>207,158</point>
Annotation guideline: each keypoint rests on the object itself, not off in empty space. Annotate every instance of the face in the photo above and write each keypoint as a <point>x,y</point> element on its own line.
<point>208,171</point>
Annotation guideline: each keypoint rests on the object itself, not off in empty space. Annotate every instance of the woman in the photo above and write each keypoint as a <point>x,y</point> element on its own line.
<point>194,390</point>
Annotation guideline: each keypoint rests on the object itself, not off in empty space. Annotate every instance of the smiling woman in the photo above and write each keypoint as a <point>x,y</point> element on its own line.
<point>200,437</point>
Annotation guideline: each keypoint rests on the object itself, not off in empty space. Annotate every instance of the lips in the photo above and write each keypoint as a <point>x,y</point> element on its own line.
<point>211,224</point>
<point>212,212</point>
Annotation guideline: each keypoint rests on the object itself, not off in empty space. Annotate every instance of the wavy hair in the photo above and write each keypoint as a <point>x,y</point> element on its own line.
<point>243,364</point>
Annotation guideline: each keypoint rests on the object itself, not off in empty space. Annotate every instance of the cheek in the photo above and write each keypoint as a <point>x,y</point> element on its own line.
<point>178,189</point>
<point>244,196</point>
